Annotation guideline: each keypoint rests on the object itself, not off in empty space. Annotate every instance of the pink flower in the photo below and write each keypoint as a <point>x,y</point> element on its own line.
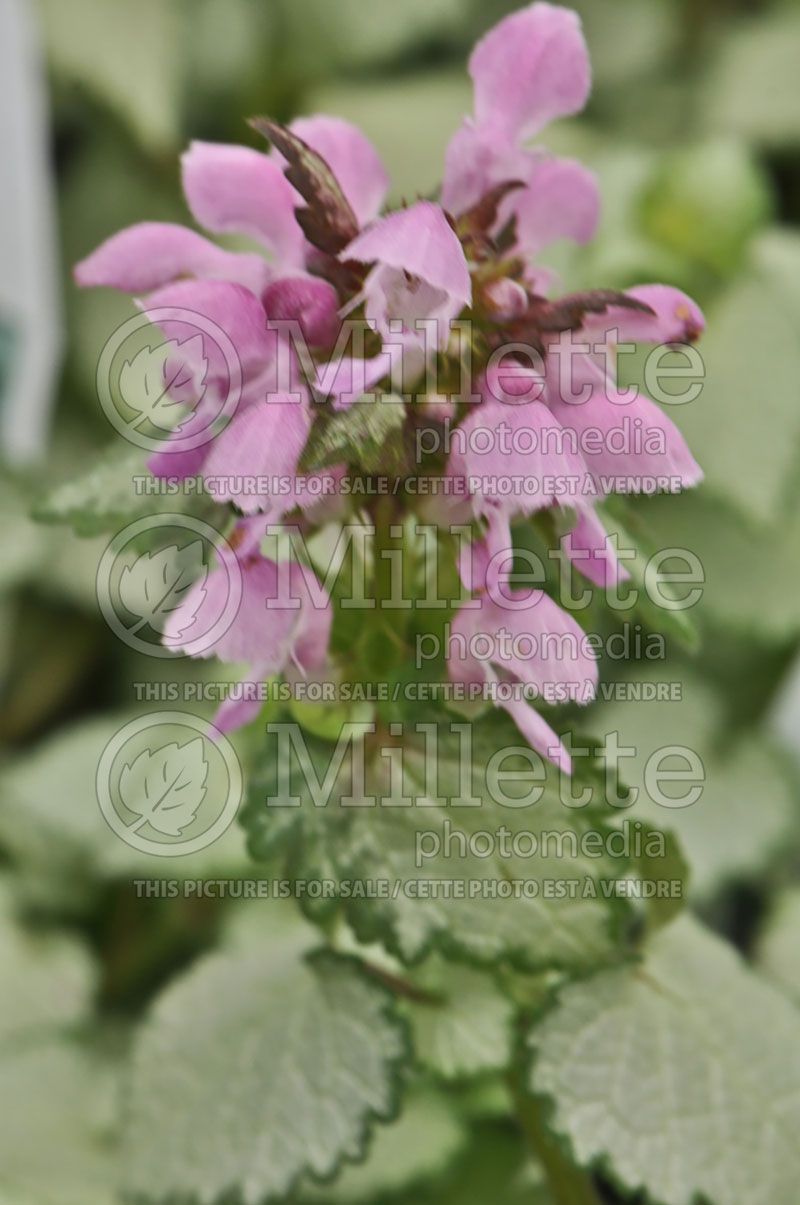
<point>514,638</point>
<point>418,283</point>
<point>237,190</point>
<point>552,428</point>
<point>560,433</point>
<point>528,70</point>
<point>284,618</point>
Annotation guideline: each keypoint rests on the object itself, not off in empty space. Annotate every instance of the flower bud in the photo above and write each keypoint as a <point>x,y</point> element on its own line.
<point>505,299</point>
<point>308,300</point>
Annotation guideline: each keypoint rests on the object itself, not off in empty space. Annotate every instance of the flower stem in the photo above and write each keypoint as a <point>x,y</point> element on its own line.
<point>384,635</point>
<point>568,1185</point>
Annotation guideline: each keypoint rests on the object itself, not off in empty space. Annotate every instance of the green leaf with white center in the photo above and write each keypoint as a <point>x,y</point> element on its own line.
<point>48,979</point>
<point>419,1146</point>
<point>103,499</point>
<point>679,1075</point>
<point>466,1027</point>
<point>478,881</point>
<point>256,1068</point>
<point>112,493</point>
<point>744,428</point>
<point>751,572</point>
<point>58,1143</point>
<point>64,853</point>
<point>750,85</point>
<point>745,810</point>
<point>778,949</point>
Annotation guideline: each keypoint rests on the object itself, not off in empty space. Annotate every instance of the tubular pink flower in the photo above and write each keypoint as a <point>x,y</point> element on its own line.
<point>528,640</point>
<point>420,271</point>
<point>528,70</point>
<point>266,441</point>
<point>418,284</point>
<point>265,636</point>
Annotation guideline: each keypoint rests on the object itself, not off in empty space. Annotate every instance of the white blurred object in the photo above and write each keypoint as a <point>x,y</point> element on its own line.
<point>784,719</point>
<point>30,326</point>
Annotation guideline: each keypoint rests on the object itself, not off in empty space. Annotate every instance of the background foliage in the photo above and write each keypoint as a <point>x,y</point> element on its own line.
<point>694,128</point>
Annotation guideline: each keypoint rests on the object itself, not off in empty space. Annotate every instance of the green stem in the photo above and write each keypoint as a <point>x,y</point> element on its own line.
<point>568,1185</point>
<point>384,631</point>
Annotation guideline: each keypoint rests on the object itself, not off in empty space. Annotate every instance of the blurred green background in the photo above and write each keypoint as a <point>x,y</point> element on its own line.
<point>694,129</point>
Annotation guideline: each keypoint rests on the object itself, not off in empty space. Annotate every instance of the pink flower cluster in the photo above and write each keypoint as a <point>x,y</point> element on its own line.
<point>474,255</point>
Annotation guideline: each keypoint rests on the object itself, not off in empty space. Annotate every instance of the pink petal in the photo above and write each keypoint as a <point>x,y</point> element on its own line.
<point>265,440</point>
<point>636,441</point>
<point>352,158</point>
<point>318,495</point>
<point>151,254</point>
<point>238,190</point>
<point>233,327</point>
<point>528,638</point>
<point>236,713</point>
<point>676,318</point>
<point>418,241</point>
<point>529,69</point>
<point>527,463</point>
<point>560,201</point>
<point>256,634</point>
<point>589,548</point>
<point>476,160</point>
<point>539,735</point>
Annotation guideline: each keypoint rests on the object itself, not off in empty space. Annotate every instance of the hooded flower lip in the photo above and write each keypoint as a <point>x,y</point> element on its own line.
<point>530,69</point>
<point>419,275</point>
<point>420,242</point>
